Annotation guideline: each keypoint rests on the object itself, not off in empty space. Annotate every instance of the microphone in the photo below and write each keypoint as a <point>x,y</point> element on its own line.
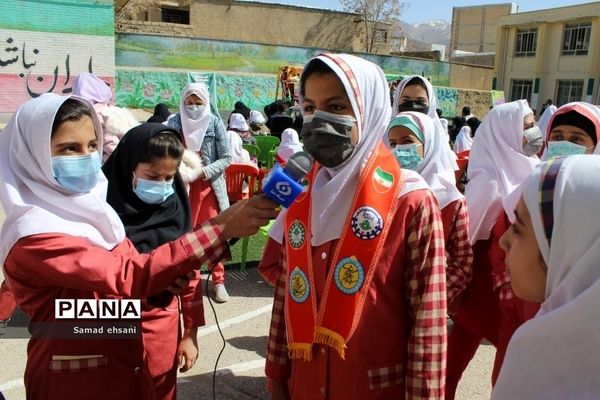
<point>282,185</point>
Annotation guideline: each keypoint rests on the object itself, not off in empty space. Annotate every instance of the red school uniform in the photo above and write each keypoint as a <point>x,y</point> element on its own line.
<point>161,335</point>
<point>68,267</point>
<point>459,254</point>
<point>398,347</point>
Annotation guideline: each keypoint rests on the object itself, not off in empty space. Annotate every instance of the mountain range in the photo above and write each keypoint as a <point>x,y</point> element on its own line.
<point>421,35</point>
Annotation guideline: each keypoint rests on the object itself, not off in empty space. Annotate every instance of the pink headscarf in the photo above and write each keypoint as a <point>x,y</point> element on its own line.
<point>92,88</point>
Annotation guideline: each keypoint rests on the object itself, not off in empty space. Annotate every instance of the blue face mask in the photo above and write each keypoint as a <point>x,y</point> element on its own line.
<point>153,192</point>
<point>407,156</point>
<point>78,174</point>
<point>564,148</point>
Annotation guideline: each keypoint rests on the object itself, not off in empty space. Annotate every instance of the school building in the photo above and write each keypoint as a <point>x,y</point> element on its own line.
<point>549,54</point>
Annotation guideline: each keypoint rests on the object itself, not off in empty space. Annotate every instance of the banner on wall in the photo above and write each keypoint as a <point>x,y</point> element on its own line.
<point>254,91</point>
<point>497,97</point>
<point>447,98</point>
<point>144,89</point>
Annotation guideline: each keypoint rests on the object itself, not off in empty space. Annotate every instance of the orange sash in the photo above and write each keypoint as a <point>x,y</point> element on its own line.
<point>354,262</point>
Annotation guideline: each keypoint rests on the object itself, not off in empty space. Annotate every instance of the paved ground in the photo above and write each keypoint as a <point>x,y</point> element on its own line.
<point>244,321</point>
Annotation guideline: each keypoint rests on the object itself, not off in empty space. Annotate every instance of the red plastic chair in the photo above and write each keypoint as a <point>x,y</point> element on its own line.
<point>235,177</point>
<point>463,162</point>
<point>464,154</point>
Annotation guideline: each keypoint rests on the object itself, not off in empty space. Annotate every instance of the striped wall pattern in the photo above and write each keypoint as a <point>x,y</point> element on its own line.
<point>45,44</point>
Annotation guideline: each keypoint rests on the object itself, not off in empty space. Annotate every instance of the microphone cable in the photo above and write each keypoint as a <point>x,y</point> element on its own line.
<point>214,377</point>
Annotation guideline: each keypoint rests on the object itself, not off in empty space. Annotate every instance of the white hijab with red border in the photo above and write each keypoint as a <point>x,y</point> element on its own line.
<point>586,110</point>
<point>333,189</point>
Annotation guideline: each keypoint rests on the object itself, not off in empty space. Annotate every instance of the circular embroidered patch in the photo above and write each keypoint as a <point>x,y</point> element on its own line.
<point>297,234</point>
<point>299,286</point>
<point>367,223</point>
<point>349,275</point>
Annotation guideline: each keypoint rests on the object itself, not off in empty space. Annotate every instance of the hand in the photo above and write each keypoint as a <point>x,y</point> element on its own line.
<point>202,175</point>
<point>245,217</point>
<point>181,283</point>
<point>187,351</point>
<point>280,391</point>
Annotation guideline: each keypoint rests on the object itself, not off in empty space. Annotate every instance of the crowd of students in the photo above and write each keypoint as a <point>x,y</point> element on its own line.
<point>367,264</point>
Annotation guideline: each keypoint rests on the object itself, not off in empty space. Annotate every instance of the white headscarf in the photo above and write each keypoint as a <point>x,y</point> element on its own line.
<point>256,117</point>
<point>432,101</point>
<point>544,120</point>
<point>435,168</point>
<point>34,202</point>
<point>290,144</point>
<point>194,130</point>
<point>237,121</point>
<point>497,165</point>
<point>464,140</point>
<point>239,155</point>
<point>555,355</point>
<point>333,189</point>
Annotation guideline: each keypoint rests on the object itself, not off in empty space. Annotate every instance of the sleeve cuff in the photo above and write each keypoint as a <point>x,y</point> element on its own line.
<point>206,243</point>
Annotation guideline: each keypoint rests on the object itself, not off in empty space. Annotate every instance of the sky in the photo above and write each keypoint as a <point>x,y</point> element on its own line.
<point>425,10</point>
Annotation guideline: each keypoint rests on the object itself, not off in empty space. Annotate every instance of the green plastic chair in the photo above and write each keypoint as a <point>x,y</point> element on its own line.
<point>267,144</point>
<point>252,149</point>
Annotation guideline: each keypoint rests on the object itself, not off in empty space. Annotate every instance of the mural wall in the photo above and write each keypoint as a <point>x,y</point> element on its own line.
<point>44,53</point>
<point>147,51</point>
<point>144,89</point>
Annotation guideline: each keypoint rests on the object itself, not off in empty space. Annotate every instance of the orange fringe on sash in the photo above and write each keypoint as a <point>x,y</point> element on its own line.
<point>332,339</point>
<point>302,351</point>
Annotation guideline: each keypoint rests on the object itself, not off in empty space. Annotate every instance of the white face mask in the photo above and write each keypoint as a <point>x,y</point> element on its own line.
<point>564,148</point>
<point>534,141</point>
<point>194,111</point>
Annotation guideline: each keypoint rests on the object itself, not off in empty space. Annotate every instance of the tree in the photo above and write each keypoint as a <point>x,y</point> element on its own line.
<point>132,7</point>
<point>374,12</point>
<point>129,9</point>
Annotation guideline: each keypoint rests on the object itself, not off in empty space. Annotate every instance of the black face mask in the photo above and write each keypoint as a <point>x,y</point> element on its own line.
<point>328,137</point>
<point>414,105</point>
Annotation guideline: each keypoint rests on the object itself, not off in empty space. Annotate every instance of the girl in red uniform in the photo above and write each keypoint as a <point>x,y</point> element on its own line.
<point>61,240</point>
<point>147,192</point>
<point>418,146</point>
<point>359,261</point>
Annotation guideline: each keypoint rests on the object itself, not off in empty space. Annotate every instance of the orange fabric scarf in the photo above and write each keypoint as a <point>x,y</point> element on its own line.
<point>354,261</point>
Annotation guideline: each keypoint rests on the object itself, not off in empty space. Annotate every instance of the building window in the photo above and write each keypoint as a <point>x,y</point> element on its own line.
<point>577,39</point>
<point>521,89</point>
<point>175,16</point>
<point>526,42</point>
<point>569,91</point>
<point>381,36</point>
